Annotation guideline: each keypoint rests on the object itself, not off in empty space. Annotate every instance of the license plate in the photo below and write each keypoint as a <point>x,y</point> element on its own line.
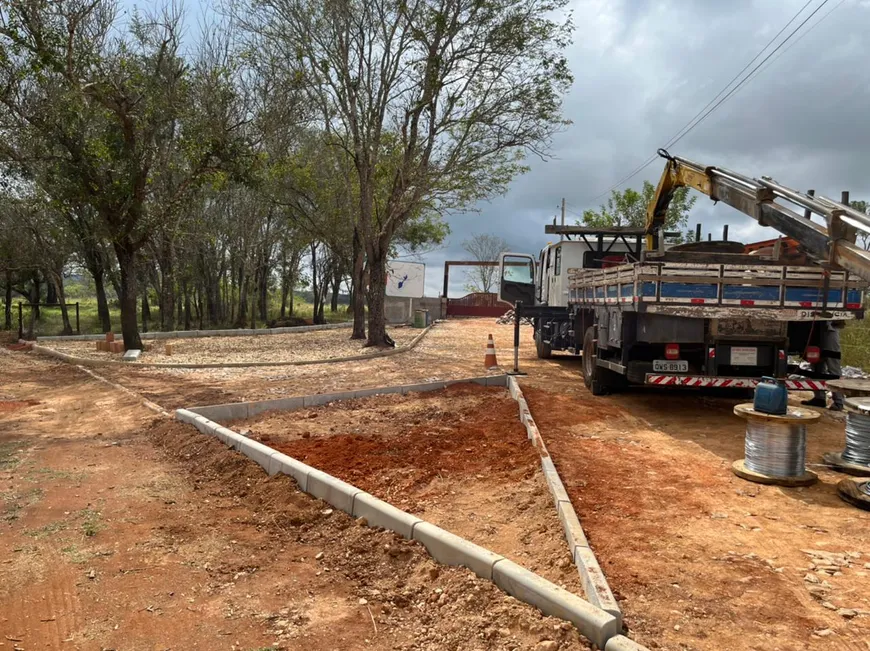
<point>670,366</point>
<point>744,356</point>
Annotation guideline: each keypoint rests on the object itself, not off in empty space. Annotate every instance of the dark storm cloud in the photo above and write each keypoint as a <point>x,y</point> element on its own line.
<point>643,69</point>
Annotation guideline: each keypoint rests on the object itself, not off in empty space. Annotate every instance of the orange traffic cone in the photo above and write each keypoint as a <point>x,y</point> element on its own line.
<point>490,361</point>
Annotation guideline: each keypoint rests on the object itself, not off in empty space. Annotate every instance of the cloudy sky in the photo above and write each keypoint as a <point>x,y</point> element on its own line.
<point>644,68</point>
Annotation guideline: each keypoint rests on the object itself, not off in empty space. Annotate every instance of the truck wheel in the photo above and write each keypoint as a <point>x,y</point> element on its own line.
<point>543,348</point>
<point>593,375</point>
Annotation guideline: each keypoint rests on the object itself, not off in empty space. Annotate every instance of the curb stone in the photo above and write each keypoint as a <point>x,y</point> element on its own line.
<point>595,624</point>
<point>592,578</point>
<point>622,643</point>
<point>84,361</point>
<point>240,410</point>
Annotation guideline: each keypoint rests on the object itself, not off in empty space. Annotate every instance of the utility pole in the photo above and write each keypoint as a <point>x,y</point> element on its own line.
<point>562,237</point>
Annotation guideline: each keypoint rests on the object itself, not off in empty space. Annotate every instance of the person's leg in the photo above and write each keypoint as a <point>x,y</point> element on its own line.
<point>833,367</point>
<point>820,398</point>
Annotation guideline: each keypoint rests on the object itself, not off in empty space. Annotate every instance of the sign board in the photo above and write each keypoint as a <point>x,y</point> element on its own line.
<point>405,279</point>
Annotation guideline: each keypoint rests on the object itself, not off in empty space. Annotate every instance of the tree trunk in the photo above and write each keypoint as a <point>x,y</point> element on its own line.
<point>185,290</point>
<point>102,304</point>
<point>128,286</point>
<point>57,283</point>
<point>51,292</point>
<point>314,286</point>
<point>242,316</point>
<point>146,311</point>
<point>35,295</point>
<point>358,297</point>
<point>167,284</point>
<point>336,286</point>
<point>377,265</point>
<point>7,318</point>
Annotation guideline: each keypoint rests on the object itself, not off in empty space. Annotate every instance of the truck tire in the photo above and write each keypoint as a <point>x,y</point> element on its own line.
<point>594,376</point>
<point>543,348</point>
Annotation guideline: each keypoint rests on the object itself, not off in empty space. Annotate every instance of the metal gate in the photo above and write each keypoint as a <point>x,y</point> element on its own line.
<point>477,304</point>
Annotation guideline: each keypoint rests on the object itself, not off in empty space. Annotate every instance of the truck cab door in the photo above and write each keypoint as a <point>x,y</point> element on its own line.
<point>516,273</point>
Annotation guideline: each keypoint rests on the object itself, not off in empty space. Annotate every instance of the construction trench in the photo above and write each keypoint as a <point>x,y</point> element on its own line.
<point>695,557</point>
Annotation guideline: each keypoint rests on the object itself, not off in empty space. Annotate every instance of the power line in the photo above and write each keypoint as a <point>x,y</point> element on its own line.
<point>745,80</point>
<point>692,123</point>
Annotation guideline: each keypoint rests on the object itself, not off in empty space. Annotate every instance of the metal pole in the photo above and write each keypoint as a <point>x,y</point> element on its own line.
<point>518,309</point>
<point>808,214</point>
<point>725,233</point>
<point>698,233</point>
<point>562,237</point>
<point>78,325</point>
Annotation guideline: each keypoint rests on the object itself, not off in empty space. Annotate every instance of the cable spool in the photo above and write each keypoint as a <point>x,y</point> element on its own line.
<point>775,447</point>
<point>855,491</point>
<point>855,458</point>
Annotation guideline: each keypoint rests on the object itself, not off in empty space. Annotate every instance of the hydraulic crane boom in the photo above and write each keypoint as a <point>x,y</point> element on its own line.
<point>833,242</point>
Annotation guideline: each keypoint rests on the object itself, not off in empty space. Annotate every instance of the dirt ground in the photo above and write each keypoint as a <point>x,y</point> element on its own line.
<point>124,531</point>
<point>459,458</point>
<point>698,558</point>
<point>288,347</point>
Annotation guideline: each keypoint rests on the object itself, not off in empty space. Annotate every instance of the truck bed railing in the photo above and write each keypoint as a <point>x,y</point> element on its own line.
<point>719,285</point>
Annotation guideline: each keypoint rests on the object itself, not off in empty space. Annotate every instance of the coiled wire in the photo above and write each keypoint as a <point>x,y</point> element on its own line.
<point>857,438</point>
<point>776,449</point>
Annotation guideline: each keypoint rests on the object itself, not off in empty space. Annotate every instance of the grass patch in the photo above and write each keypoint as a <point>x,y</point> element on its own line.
<point>15,503</point>
<point>51,474</point>
<point>855,343</point>
<point>75,555</point>
<point>9,452</point>
<point>48,530</point>
<point>91,522</point>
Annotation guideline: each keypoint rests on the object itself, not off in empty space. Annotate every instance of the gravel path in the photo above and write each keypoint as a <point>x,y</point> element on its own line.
<point>294,347</point>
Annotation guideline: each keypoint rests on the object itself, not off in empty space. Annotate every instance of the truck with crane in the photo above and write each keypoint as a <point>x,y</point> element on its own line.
<point>697,314</point>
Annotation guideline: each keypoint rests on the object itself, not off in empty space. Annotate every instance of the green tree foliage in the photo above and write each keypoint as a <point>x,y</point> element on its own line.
<point>629,208</point>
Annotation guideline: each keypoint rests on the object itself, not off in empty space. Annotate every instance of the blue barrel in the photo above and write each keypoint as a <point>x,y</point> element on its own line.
<point>771,396</point>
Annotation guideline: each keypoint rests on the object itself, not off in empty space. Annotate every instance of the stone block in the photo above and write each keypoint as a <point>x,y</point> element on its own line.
<point>594,623</point>
<point>131,355</point>
<point>168,350</point>
<point>423,386</point>
<point>622,643</point>
<point>496,380</point>
<point>376,391</point>
<point>326,398</point>
<point>110,336</point>
<point>257,452</point>
<point>572,527</point>
<point>554,483</point>
<point>185,415</point>
<point>594,583</point>
<point>281,463</point>
<point>450,549</point>
<point>381,514</point>
<point>282,404</point>
<point>330,489</point>
<point>223,413</point>
<point>513,385</point>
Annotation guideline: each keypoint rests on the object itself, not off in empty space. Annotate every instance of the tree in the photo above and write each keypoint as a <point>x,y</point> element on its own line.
<point>629,208</point>
<point>97,112</point>
<point>483,248</point>
<point>864,208</point>
<point>435,102</point>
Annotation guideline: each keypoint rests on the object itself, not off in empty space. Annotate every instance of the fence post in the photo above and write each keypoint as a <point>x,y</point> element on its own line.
<point>20,322</point>
<point>78,326</point>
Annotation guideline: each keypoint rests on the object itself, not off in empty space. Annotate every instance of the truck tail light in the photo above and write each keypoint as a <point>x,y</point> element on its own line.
<point>781,355</point>
<point>711,353</point>
<point>813,354</point>
<point>672,351</point>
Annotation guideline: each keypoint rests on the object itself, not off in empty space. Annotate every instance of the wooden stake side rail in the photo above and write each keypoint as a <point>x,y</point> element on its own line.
<point>801,289</point>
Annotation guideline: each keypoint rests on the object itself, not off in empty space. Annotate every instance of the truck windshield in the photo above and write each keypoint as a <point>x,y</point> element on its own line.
<point>518,269</point>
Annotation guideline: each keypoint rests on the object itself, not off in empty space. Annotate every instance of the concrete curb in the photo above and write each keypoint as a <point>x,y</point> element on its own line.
<point>591,576</point>
<point>240,410</point>
<point>194,334</point>
<point>84,361</point>
<point>594,623</point>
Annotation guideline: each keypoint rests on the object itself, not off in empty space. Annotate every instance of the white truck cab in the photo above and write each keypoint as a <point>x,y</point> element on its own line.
<point>551,276</point>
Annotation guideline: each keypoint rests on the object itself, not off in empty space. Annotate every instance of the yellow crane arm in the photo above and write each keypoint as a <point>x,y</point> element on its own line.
<point>833,242</point>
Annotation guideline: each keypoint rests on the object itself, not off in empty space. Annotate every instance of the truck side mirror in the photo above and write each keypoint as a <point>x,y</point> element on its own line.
<point>516,273</point>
